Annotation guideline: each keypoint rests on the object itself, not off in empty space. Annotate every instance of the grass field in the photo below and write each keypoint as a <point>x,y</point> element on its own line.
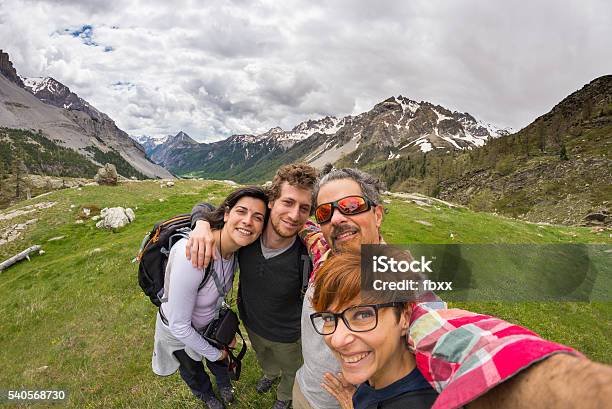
<point>74,318</point>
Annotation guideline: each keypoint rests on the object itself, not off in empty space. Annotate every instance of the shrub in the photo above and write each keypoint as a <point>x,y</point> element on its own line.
<point>483,201</point>
<point>505,166</point>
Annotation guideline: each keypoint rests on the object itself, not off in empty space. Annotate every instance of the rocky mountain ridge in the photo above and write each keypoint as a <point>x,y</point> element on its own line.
<point>7,69</point>
<point>392,128</point>
<point>52,92</point>
<point>556,170</point>
<point>45,105</point>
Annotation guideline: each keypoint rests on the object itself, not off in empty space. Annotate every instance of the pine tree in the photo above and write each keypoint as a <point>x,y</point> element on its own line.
<point>19,171</point>
<point>541,137</point>
<point>424,166</point>
<point>587,109</point>
<point>2,177</point>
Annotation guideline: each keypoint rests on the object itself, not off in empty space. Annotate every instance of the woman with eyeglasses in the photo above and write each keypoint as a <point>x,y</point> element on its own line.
<point>367,335</point>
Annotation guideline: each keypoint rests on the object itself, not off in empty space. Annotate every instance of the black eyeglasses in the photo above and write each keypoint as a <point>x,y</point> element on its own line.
<point>349,205</point>
<point>359,318</point>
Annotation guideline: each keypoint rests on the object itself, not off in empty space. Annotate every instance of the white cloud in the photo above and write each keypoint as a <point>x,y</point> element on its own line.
<point>244,66</point>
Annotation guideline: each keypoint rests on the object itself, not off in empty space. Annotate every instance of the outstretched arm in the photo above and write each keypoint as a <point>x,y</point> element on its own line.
<point>560,381</point>
<point>314,241</point>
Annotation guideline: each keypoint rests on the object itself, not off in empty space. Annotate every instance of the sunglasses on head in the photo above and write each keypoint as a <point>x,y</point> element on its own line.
<point>349,205</point>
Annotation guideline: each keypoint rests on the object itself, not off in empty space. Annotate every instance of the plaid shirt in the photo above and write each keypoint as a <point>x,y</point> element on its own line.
<point>461,354</point>
<point>464,354</point>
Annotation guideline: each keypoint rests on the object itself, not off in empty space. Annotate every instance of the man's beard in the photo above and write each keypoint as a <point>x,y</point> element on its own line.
<point>348,246</point>
<point>278,229</point>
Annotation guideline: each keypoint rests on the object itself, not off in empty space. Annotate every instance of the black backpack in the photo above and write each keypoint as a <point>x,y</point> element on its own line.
<point>153,255</point>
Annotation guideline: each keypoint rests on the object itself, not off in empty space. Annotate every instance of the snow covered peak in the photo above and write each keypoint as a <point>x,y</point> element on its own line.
<point>328,125</point>
<point>52,92</point>
<point>244,138</point>
<point>37,84</point>
<point>407,104</point>
<point>275,131</point>
<point>150,141</point>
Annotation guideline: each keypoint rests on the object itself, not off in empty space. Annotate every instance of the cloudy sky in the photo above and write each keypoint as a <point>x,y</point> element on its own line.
<point>216,68</point>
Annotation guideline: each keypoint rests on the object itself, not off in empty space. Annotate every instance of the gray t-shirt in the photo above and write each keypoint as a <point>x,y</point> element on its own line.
<point>270,252</point>
<point>318,359</point>
<point>186,305</point>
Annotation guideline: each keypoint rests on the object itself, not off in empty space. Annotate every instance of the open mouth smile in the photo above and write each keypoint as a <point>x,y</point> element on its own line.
<point>347,235</point>
<point>354,358</point>
<point>244,232</point>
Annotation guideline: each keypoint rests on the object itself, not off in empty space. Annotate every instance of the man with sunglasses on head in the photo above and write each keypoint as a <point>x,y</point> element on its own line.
<point>543,374</point>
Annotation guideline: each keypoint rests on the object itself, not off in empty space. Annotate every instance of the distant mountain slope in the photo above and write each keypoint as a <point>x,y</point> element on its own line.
<point>557,169</point>
<point>393,128</point>
<point>42,156</point>
<point>149,143</point>
<point>161,150</point>
<point>47,105</point>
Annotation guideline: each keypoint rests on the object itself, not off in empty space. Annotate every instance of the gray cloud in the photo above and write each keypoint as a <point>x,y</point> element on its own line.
<point>239,66</point>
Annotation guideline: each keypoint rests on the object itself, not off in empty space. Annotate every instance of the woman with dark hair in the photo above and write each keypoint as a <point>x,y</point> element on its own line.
<point>366,331</point>
<point>193,302</point>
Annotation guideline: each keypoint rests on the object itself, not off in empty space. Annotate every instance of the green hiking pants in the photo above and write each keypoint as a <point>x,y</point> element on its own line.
<point>278,359</point>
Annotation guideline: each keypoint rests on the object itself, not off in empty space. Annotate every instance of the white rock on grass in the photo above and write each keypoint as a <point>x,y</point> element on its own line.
<point>115,217</point>
<point>26,210</point>
<point>56,238</point>
<point>12,233</point>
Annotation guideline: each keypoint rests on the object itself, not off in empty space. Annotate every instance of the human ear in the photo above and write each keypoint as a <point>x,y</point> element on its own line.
<point>405,320</point>
<point>378,213</point>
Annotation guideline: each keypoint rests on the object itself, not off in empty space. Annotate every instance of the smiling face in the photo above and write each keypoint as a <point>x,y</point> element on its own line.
<point>344,232</point>
<point>378,356</point>
<point>290,210</point>
<point>244,222</point>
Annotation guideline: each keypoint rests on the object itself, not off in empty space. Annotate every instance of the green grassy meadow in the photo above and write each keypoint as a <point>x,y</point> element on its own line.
<point>74,318</point>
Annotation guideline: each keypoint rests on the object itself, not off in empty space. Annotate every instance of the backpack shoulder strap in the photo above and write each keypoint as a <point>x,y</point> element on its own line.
<point>305,271</point>
<point>210,271</point>
<point>207,273</point>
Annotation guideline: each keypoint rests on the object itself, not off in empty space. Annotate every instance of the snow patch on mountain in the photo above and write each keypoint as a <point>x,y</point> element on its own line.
<point>153,140</point>
<point>35,83</point>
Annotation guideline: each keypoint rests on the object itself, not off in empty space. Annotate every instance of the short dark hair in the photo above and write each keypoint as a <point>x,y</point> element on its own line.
<point>216,217</point>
